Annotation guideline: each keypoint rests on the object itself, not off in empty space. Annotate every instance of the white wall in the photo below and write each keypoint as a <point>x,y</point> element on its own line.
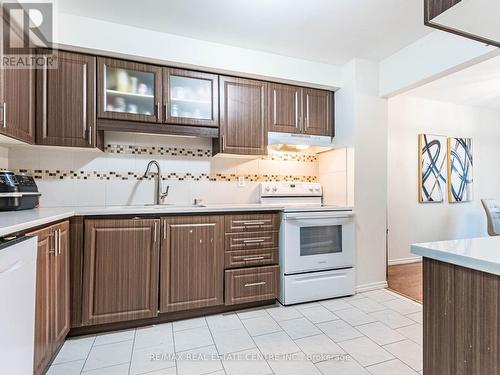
<point>152,45</point>
<point>361,126</point>
<point>410,221</point>
<point>433,56</point>
<point>4,157</point>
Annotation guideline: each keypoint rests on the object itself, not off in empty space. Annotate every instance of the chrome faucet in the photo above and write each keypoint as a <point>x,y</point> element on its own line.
<point>159,195</point>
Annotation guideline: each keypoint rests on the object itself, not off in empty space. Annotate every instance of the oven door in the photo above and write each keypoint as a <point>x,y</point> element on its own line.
<point>313,241</point>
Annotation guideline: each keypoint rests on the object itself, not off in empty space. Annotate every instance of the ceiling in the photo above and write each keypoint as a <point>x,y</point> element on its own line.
<point>330,31</point>
<point>478,85</point>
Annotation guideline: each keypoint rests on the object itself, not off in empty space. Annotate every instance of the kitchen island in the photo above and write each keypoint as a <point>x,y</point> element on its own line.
<point>461,281</point>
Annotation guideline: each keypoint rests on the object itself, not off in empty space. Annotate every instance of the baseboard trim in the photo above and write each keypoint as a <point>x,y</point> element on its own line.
<point>395,262</point>
<point>371,286</point>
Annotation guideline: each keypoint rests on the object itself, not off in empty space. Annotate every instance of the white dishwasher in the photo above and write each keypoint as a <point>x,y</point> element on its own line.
<point>17,306</point>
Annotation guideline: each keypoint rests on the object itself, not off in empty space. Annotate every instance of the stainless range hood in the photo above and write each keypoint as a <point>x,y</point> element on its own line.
<point>309,144</point>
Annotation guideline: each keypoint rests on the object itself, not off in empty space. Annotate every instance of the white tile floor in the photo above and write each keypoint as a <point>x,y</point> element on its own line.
<point>376,332</point>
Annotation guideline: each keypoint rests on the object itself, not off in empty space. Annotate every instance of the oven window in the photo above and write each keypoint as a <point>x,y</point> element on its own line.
<point>320,240</point>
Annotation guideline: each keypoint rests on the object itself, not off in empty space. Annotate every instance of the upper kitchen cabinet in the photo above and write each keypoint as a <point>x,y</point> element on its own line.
<point>128,91</point>
<point>17,104</point>
<point>190,98</point>
<point>300,110</point>
<point>242,116</point>
<point>65,103</point>
<point>318,112</point>
<point>284,108</point>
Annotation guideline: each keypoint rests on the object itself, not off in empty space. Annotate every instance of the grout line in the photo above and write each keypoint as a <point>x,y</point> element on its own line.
<point>132,352</point>
<point>88,354</point>
<point>251,337</point>
<point>175,352</point>
<point>215,345</point>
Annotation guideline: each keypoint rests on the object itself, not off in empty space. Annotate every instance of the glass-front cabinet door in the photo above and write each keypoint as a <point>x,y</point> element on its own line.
<point>129,91</point>
<point>190,98</point>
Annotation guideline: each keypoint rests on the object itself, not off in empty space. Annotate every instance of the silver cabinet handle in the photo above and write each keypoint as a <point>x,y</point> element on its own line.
<point>253,258</point>
<point>90,134</point>
<point>256,284</point>
<point>155,232</point>
<point>4,115</point>
<point>306,120</point>
<point>223,143</point>
<point>44,98</point>
<point>164,229</point>
<point>56,243</point>
<point>59,241</point>
<point>297,120</point>
<point>158,110</point>
<point>254,223</point>
<point>252,240</point>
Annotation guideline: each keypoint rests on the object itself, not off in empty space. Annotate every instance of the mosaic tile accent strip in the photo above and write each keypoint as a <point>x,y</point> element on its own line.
<point>308,158</point>
<point>39,174</point>
<point>197,153</point>
<point>157,150</point>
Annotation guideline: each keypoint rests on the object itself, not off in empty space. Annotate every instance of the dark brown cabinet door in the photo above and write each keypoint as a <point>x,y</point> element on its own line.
<point>120,272</point>
<point>242,116</point>
<point>190,98</point>
<point>192,263</point>
<point>43,334</point>
<point>52,293</point>
<point>66,102</point>
<point>128,91</point>
<point>318,112</point>
<point>284,108</point>
<point>60,285</point>
<point>17,112</point>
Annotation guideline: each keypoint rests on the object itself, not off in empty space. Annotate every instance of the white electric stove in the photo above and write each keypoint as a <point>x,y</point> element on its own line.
<point>317,243</point>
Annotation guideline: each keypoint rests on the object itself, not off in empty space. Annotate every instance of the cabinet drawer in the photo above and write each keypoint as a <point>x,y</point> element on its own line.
<point>251,223</point>
<point>251,284</point>
<point>245,258</point>
<point>252,240</point>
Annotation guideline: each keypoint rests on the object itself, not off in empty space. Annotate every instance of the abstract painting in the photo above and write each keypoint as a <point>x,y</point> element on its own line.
<point>460,170</point>
<point>432,168</point>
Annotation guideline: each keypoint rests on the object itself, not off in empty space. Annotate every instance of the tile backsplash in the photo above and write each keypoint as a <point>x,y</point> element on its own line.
<point>76,177</point>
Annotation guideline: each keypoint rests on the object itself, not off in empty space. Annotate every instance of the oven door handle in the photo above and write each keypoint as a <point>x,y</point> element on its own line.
<point>317,217</point>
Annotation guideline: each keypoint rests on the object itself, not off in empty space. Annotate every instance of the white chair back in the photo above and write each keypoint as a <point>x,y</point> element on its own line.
<point>493,214</point>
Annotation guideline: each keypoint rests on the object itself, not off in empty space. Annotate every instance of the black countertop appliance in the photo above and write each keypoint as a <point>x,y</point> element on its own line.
<point>17,192</point>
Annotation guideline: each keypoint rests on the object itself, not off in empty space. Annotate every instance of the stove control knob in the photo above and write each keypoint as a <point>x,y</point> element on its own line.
<point>268,188</point>
<point>317,189</point>
<point>311,189</point>
<point>275,189</point>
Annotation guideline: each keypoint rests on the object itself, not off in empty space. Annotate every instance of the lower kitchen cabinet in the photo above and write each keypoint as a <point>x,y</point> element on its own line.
<point>192,263</point>
<point>251,284</point>
<point>52,319</point>
<point>120,270</point>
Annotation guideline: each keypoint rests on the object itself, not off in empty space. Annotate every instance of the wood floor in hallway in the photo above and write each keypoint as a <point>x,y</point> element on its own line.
<point>406,279</point>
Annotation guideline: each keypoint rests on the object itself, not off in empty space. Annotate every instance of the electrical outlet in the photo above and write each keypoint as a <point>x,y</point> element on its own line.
<point>241,181</point>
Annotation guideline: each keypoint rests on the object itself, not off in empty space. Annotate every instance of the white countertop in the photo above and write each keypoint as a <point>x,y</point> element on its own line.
<point>482,254</point>
<point>19,221</point>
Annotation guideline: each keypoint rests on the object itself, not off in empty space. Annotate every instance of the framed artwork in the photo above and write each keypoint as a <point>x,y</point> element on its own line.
<point>460,163</point>
<point>432,168</point>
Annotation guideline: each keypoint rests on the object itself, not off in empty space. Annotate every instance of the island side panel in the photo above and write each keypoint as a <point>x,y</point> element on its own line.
<point>461,320</point>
